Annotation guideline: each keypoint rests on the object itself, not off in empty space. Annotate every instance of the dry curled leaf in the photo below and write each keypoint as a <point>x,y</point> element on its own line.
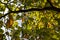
<point>10,22</point>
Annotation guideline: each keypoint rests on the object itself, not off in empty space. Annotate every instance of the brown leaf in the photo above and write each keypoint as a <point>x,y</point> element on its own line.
<point>10,22</point>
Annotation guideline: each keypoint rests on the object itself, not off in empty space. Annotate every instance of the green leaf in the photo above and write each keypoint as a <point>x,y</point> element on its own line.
<point>1,31</point>
<point>54,36</point>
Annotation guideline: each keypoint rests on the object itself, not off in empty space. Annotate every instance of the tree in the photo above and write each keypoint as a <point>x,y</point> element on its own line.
<point>40,19</point>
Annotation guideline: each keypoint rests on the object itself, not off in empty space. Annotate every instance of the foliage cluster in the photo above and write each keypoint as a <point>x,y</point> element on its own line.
<point>36,25</point>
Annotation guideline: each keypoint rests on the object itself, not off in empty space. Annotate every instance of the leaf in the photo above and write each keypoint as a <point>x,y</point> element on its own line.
<point>1,31</point>
<point>45,0</point>
<point>1,14</point>
<point>1,36</point>
<point>54,36</point>
<point>52,1</point>
<point>15,24</point>
<point>10,21</point>
<point>18,17</point>
<point>2,7</point>
<point>1,23</point>
<point>5,0</point>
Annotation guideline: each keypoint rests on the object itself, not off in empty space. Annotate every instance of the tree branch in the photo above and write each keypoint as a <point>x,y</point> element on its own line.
<point>51,4</point>
<point>35,9</point>
<point>38,9</point>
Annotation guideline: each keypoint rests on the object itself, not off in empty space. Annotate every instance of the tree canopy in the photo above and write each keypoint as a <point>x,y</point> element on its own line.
<point>40,19</point>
